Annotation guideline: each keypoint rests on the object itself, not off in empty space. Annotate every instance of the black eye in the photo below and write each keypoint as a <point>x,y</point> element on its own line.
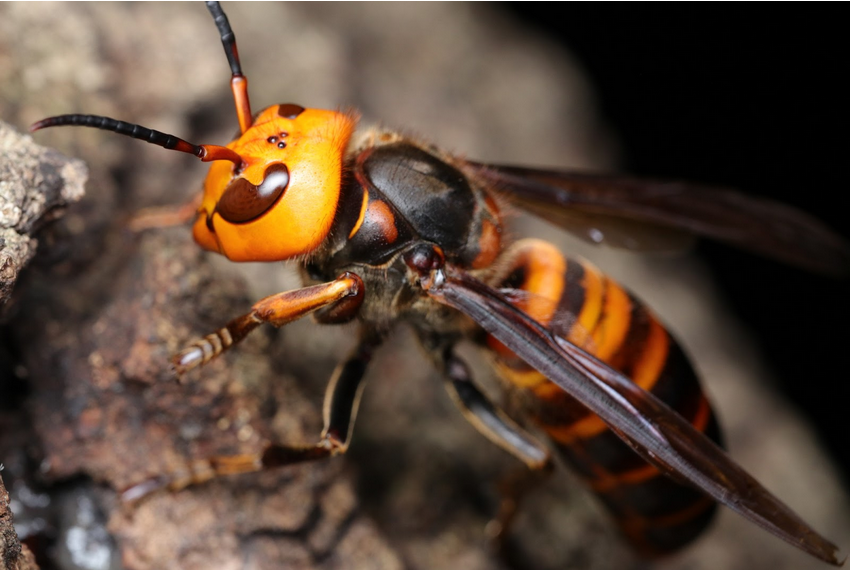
<point>243,202</point>
<point>289,110</point>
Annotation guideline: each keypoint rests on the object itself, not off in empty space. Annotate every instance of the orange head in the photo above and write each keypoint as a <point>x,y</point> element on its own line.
<point>280,201</point>
<point>272,193</point>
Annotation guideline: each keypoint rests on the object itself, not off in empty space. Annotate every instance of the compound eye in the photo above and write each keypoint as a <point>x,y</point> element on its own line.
<point>243,202</point>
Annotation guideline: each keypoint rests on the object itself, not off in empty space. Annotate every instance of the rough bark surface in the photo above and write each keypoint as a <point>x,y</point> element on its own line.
<point>13,555</point>
<point>97,408</point>
<point>36,184</point>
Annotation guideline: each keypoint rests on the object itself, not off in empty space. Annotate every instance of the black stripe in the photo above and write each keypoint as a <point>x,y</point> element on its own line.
<point>633,345</point>
<point>713,431</point>
<point>677,385</point>
<point>656,497</point>
<point>606,451</point>
<point>605,284</point>
<point>560,410</point>
<point>669,538</point>
<point>571,301</point>
<point>348,210</point>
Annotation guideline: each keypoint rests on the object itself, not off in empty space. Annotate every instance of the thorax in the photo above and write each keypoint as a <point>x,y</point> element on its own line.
<point>396,193</point>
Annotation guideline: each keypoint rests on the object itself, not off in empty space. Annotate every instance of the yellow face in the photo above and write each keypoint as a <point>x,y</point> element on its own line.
<point>281,202</point>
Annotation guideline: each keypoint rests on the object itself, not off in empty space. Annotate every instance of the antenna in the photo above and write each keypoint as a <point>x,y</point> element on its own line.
<point>238,82</point>
<point>206,152</point>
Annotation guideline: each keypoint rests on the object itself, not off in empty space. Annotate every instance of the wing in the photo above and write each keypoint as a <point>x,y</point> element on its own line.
<point>651,214</point>
<point>657,433</point>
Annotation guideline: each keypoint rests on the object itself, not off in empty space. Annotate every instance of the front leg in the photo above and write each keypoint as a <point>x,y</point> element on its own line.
<point>277,310</point>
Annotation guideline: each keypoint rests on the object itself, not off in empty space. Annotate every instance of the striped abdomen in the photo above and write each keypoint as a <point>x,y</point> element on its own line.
<point>577,302</point>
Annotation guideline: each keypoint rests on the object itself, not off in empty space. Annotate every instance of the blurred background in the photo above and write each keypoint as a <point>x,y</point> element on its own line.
<point>750,99</point>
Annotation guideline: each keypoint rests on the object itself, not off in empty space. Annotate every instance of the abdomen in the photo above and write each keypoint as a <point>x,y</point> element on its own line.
<point>577,302</point>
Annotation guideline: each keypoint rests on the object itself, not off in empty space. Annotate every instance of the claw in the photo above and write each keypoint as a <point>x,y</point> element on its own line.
<point>188,359</point>
<point>141,490</point>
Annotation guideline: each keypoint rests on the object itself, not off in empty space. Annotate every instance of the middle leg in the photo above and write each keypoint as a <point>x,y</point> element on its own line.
<point>499,428</point>
<point>342,399</point>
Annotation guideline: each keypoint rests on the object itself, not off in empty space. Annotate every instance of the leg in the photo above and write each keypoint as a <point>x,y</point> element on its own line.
<point>165,216</point>
<point>490,420</point>
<point>276,310</point>
<point>342,397</point>
<point>498,428</point>
<point>341,401</point>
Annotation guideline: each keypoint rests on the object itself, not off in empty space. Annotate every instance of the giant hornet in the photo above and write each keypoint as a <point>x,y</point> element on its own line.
<point>388,229</point>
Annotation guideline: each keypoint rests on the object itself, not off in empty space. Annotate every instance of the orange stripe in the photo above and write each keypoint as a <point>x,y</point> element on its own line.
<point>653,356</point>
<point>644,373</point>
<point>591,310</point>
<point>489,244</point>
<point>362,215</point>
<point>632,477</point>
<point>610,332</point>
<point>548,390</point>
<point>521,378</point>
<point>545,269</point>
<point>585,428</point>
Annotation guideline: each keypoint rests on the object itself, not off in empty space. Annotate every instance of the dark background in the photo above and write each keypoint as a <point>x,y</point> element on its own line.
<point>752,97</point>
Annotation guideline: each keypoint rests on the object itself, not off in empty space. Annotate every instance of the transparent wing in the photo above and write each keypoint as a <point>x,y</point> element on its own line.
<point>657,215</point>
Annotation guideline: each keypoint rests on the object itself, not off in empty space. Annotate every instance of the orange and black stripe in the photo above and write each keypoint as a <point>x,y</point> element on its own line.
<point>577,302</point>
